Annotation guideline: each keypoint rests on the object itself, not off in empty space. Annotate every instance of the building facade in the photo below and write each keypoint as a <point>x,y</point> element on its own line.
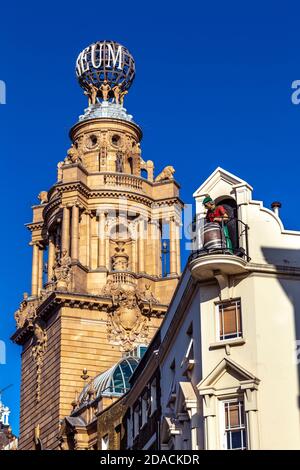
<point>8,441</point>
<point>97,233</point>
<point>228,345</point>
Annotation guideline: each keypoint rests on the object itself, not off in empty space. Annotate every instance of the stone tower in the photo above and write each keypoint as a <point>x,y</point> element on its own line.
<point>98,285</point>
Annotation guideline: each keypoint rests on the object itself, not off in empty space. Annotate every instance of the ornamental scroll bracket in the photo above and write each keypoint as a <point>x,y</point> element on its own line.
<point>39,346</point>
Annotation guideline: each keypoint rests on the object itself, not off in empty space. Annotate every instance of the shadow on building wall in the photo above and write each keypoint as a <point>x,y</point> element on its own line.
<point>287,262</point>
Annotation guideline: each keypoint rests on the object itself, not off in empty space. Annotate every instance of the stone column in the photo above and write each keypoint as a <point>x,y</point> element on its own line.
<point>173,258</point>
<point>133,256</point>
<point>51,257</point>
<point>154,248</point>
<point>178,270</point>
<point>251,410</point>
<point>75,232</point>
<point>65,242</point>
<point>107,254</point>
<point>141,247</point>
<point>87,248</point>
<point>35,269</point>
<point>40,268</point>
<point>147,246</point>
<point>90,222</point>
<point>101,240</point>
<point>209,415</point>
<point>158,249</point>
<point>94,242</point>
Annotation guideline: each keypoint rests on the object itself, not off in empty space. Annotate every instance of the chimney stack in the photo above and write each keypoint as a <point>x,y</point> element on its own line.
<point>276,205</point>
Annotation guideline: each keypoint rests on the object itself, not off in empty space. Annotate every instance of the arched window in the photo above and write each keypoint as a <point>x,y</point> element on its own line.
<point>230,206</point>
<point>120,231</point>
<point>144,173</point>
<point>130,164</point>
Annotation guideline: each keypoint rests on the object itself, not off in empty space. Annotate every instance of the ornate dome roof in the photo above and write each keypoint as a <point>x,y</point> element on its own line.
<point>114,381</point>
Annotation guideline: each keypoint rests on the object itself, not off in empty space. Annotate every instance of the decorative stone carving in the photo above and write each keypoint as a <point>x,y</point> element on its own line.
<point>37,352</point>
<point>122,96</point>
<point>120,258</point>
<point>73,155</point>
<point>148,296</point>
<point>43,197</point>
<point>119,162</point>
<point>126,325</point>
<point>117,91</point>
<point>59,171</point>
<point>91,92</point>
<point>26,312</point>
<point>105,89</point>
<point>166,174</point>
<point>62,272</point>
<point>137,149</point>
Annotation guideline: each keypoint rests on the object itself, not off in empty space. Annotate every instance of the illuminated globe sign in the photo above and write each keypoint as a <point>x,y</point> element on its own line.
<point>105,61</point>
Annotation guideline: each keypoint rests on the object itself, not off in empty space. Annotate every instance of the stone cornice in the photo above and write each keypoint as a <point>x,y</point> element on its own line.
<point>33,226</point>
<point>87,123</point>
<point>273,269</point>
<point>82,189</point>
<point>58,299</point>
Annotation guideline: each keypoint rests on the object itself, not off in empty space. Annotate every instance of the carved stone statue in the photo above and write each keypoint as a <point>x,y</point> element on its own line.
<point>26,312</point>
<point>117,91</point>
<point>43,197</point>
<point>137,149</point>
<point>120,258</point>
<point>166,174</point>
<point>122,95</point>
<point>21,314</point>
<point>148,295</point>
<point>73,155</point>
<point>91,93</point>
<point>105,89</point>
<point>65,259</point>
<point>119,163</point>
<point>62,272</point>
<point>59,171</point>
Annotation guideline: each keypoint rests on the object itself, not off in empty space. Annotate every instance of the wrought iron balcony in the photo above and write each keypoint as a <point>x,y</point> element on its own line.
<point>222,246</point>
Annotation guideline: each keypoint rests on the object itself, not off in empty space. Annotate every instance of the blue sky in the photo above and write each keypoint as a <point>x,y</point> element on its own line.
<point>213,88</point>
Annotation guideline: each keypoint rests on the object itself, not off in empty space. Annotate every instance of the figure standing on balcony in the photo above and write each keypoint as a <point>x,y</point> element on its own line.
<point>218,214</point>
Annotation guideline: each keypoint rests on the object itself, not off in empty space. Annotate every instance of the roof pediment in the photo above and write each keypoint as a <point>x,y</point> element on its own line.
<point>227,374</point>
<point>221,179</point>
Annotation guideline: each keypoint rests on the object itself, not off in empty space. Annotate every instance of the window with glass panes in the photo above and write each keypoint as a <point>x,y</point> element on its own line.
<point>229,320</point>
<point>234,425</point>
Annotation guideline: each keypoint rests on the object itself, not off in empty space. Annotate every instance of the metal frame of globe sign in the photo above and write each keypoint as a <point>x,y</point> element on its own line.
<point>105,60</point>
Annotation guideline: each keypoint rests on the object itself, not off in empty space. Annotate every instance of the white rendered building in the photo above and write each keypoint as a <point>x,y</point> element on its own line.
<point>228,354</point>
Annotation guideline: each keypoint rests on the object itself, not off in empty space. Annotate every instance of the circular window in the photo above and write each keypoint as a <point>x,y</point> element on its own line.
<point>93,140</point>
<point>116,140</point>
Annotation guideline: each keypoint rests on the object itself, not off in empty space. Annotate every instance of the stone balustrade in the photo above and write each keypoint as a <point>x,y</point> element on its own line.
<point>115,179</point>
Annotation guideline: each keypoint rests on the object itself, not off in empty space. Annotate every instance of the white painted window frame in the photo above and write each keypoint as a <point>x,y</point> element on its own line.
<point>217,323</point>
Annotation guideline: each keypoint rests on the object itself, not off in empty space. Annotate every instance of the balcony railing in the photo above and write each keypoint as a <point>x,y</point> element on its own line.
<point>228,237</point>
<point>122,277</point>
<point>117,179</point>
